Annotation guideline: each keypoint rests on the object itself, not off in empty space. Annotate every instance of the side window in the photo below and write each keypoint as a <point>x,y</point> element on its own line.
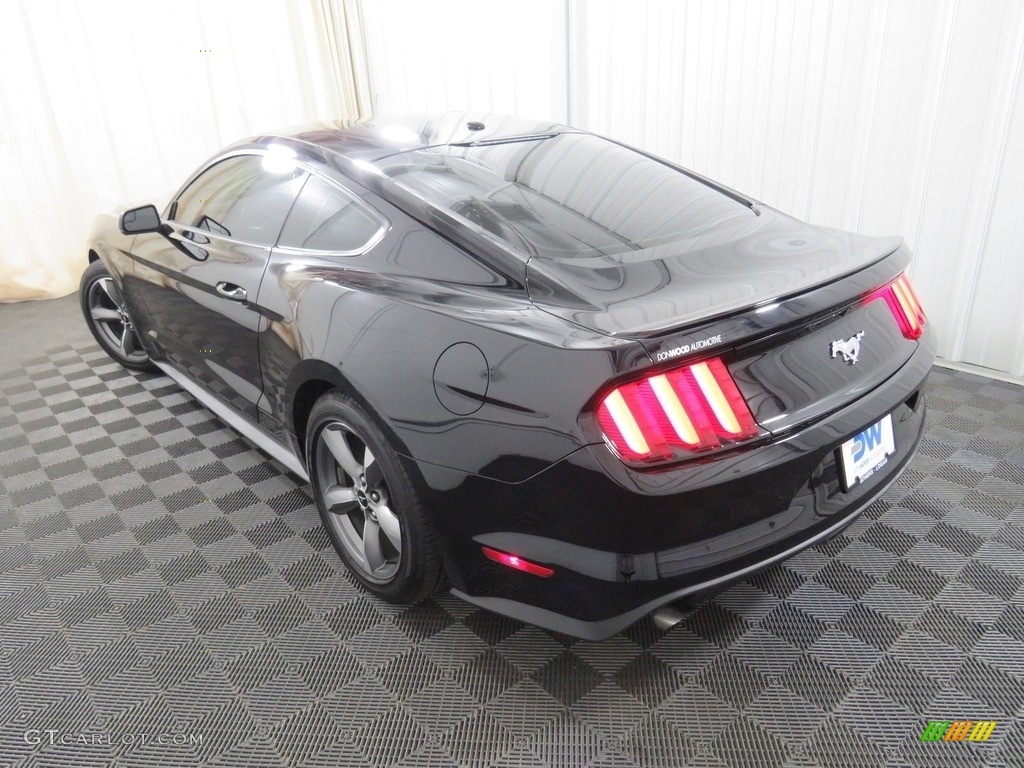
<point>237,198</point>
<point>325,218</point>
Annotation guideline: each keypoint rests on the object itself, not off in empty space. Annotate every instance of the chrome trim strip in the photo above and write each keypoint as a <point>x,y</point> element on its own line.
<point>377,237</point>
<point>251,432</point>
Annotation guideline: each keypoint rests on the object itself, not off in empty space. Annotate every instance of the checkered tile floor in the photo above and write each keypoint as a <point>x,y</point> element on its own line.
<point>161,578</point>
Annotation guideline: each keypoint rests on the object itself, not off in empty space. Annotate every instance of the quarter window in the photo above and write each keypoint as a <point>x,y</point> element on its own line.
<point>237,198</point>
<point>324,218</point>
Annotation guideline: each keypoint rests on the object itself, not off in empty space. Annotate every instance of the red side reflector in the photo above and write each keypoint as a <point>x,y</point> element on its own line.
<point>904,305</point>
<point>695,408</point>
<point>515,561</point>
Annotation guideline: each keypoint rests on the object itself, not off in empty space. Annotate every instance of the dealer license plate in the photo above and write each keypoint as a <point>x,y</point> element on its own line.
<point>864,454</point>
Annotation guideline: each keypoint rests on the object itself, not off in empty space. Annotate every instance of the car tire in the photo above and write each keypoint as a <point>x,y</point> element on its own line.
<point>108,319</point>
<point>368,504</point>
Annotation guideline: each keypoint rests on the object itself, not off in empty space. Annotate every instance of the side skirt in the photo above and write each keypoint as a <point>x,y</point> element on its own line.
<point>251,432</point>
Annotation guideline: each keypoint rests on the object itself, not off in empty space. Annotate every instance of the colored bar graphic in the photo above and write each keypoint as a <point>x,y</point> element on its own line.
<point>958,730</point>
<point>982,730</point>
<point>935,730</point>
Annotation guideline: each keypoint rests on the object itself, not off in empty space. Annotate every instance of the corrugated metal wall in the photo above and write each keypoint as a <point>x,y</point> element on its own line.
<point>880,116</point>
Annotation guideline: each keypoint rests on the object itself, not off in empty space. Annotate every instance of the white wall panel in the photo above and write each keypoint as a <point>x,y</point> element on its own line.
<point>881,116</point>
<point>504,56</point>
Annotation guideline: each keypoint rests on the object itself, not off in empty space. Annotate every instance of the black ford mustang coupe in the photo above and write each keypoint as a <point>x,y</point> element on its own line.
<point>573,380</point>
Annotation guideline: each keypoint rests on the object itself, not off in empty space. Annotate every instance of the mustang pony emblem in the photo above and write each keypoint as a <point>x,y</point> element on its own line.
<point>848,348</point>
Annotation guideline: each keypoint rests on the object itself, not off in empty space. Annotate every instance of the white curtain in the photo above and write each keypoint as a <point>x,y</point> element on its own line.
<point>114,102</point>
<point>882,117</point>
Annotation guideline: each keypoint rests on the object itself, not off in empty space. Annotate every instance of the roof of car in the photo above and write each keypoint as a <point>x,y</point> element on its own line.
<point>376,139</point>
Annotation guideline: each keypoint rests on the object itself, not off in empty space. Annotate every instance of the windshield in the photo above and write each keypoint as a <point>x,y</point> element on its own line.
<point>570,195</point>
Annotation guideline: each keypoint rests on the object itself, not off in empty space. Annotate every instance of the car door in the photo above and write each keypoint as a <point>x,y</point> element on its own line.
<point>199,278</point>
<point>328,227</point>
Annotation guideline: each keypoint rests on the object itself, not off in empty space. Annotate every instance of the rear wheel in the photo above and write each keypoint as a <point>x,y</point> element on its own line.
<point>108,320</point>
<point>368,504</point>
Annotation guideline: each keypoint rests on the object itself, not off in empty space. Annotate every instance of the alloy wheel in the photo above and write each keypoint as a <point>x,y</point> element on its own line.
<point>354,491</point>
<point>112,322</point>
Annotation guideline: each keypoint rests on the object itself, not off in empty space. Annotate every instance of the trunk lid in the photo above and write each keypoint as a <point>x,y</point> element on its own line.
<point>780,302</point>
<point>648,293</point>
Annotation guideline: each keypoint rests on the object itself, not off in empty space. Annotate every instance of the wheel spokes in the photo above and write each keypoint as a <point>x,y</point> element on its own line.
<point>340,500</point>
<point>127,341</point>
<point>104,315</point>
<point>110,288</point>
<point>371,545</point>
<point>354,499</point>
<point>388,521</point>
<point>339,448</point>
<point>372,470</point>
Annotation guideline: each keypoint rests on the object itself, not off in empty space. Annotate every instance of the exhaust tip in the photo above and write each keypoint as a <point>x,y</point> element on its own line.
<point>668,616</point>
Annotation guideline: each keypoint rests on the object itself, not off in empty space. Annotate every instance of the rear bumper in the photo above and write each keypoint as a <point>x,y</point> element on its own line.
<point>624,543</point>
<point>604,628</point>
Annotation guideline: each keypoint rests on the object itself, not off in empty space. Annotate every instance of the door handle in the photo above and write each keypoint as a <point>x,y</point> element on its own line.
<point>231,291</point>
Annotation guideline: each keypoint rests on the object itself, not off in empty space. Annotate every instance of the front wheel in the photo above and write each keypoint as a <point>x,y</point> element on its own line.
<point>108,320</point>
<point>368,504</point>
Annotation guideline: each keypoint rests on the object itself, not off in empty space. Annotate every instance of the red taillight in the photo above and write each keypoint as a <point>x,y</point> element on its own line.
<point>515,561</point>
<point>904,305</point>
<point>695,408</point>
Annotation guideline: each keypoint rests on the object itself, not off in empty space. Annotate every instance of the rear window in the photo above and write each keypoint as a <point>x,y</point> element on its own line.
<point>565,196</point>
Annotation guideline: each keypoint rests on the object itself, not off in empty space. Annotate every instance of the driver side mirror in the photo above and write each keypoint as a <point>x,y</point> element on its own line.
<point>145,218</point>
